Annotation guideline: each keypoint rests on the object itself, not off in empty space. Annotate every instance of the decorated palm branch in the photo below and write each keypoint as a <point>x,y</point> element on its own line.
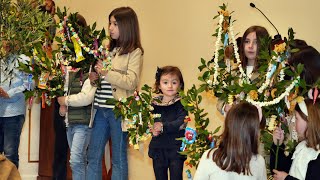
<point>136,114</point>
<point>80,45</point>
<point>277,86</point>
<point>46,73</point>
<point>204,138</point>
<point>21,27</point>
<point>226,78</point>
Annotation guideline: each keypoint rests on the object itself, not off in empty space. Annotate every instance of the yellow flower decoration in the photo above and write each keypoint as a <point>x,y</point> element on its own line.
<point>273,91</point>
<point>230,99</point>
<point>299,99</point>
<point>145,137</point>
<point>253,94</point>
<point>224,13</point>
<point>190,104</point>
<point>294,102</point>
<point>272,123</point>
<point>280,48</point>
<point>136,147</point>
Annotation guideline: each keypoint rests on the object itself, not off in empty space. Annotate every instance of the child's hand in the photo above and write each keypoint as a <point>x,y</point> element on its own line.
<point>101,69</point>
<point>155,133</point>
<point>93,76</point>
<point>157,126</point>
<point>63,110</point>
<point>98,66</point>
<point>156,129</point>
<point>62,100</point>
<point>278,135</point>
<point>279,175</point>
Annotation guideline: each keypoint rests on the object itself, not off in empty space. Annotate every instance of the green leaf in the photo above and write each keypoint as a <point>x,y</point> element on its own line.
<point>300,68</point>
<point>216,16</point>
<point>201,67</point>
<point>294,50</point>
<point>216,130</point>
<point>94,26</point>
<point>111,101</point>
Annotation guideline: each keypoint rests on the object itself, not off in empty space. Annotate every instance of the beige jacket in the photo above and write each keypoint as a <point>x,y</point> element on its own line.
<point>124,76</point>
<point>8,170</point>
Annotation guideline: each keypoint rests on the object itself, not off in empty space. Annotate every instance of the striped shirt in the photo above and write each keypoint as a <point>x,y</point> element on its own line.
<point>102,94</point>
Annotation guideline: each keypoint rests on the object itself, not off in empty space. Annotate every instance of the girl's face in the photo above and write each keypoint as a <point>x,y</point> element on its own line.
<point>250,46</point>
<point>169,85</point>
<point>301,126</point>
<point>114,28</point>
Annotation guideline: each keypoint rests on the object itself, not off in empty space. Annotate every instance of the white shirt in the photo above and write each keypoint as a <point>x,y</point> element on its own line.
<point>249,70</point>
<point>208,170</point>
<point>301,158</point>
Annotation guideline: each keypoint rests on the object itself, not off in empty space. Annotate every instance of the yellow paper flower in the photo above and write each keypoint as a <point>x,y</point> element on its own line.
<point>286,153</point>
<point>230,99</point>
<point>224,13</point>
<point>136,147</point>
<point>145,137</point>
<point>272,123</point>
<point>280,48</point>
<point>273,93</point>
<point>299,99</point>
<point>253,94</point>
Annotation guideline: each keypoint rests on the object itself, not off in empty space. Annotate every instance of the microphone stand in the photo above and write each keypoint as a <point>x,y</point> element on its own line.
<point>277,37</point>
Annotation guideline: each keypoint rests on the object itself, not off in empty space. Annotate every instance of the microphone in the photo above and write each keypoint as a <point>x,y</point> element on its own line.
<point>276,37</point>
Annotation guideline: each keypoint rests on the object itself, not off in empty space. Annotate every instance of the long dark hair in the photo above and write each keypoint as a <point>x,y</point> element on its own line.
<point>310,58</point>
<point>312,133</point>
<point>240,139</point>
<point>129,31</point>
<point>260,33</point>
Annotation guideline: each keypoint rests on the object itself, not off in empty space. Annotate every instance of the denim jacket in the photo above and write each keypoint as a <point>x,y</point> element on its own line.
<point>14,85</point>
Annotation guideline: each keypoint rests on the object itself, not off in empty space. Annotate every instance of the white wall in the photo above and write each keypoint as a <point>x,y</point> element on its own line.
<point>29,144</point>
<point>178,32</point>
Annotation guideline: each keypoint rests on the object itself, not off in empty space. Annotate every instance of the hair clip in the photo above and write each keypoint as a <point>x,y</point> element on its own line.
<point>303,107</point>
<point>259,112</point>
<point>313,94</point>
<point>158,74</point>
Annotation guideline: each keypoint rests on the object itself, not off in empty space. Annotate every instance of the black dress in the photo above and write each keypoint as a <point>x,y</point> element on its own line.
<point>164,149</point>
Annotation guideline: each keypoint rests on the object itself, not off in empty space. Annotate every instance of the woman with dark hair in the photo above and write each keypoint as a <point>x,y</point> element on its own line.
<point>119,80</point>
<point>236,157</point>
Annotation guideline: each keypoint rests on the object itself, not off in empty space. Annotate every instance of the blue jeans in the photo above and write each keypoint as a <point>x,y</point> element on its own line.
<point>78,140</point>
<point>10,137</point>
<point>105,125</point>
